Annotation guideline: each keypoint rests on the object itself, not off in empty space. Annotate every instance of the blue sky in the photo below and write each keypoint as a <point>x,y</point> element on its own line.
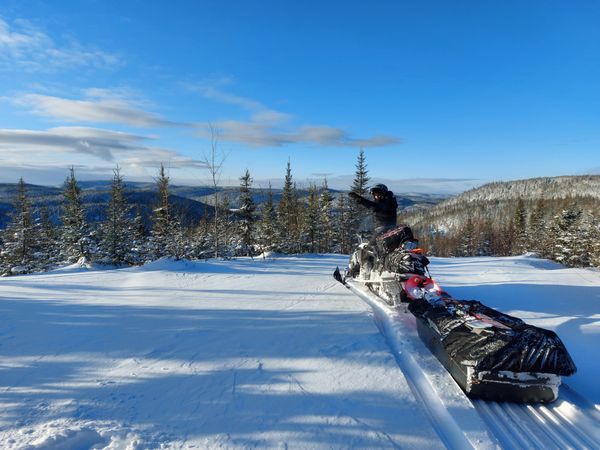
<point>442,95</point>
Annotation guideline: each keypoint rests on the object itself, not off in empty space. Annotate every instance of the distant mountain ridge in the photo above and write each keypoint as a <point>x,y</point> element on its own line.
<point>193,201</point>
<point>497,201</point>
<point>533,189</point>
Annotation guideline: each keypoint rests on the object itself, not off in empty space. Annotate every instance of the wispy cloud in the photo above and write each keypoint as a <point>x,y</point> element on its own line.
<point>98,106</point>
<point>267,127</point>
<point>26,46</point>
<point>91,146</point>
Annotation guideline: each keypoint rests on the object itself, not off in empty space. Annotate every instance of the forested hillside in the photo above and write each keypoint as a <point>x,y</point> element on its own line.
<point>556,217</point>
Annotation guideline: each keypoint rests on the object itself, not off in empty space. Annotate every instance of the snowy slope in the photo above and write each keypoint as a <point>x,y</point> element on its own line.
<point>223,354</point>
<point>271,353</point>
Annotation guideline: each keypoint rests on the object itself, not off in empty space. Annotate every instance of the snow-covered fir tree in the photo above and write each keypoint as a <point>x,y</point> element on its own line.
<point>228,237</point>
<point>19,239</point>
<point>288,215</point>
<point>537,226</point>
<point>162,220</point>
<point>521,232</point>
<point>326,219</point>
<point>178,243</point>
<point>312,223</point>
<point>268,224</point>
<point>247,216</point>
<point>562,237</point>
<point>117,230</point>
<point>47,238</point>
<point>360,187</point>
<point>468,246</point>
<point>361,177</point>
<point>139,251</point>
<point>76,237</point>
<point>344,232</point>
<point>201,245</point>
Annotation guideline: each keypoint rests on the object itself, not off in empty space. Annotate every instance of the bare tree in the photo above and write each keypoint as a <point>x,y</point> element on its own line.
<point>214,160</point>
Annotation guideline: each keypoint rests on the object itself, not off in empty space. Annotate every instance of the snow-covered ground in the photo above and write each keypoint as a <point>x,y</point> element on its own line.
<point>261,353</point>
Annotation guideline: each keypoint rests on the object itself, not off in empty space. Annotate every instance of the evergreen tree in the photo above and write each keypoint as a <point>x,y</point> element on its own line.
<point>312,222</point>
<point>139,250</point>
<point>162,220</point>
<point>287,214</point>
<point>468,246</point>
<point>177,244</point>
<point>226,229</point>
<point>19,237</point>
<point>201,244</point>
<point>537,225</point>
<point>75,239</point>
<point>344,231</point>
<point>359,186</point>
<point>117,231</point>
<point>587,237</point>
<point>361,178</point>
<point>267,226</point>
<point>563,237</point>
<point>520,224</point>
<point>247,214</point>
<point>325,218</point>
<point>48,241</point>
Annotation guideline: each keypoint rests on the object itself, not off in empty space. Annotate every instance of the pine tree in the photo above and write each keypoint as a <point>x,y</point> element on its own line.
<point>467,246</point>
<point>267,226</point>
<point>287,214</point>
<point>201,243</point>
<point>359,186</point>
<point>563,237</point>
<point>48,241</point>
<point>536,228</point>
<point>139,250</point>
<point>520,223</point>
<point>361,178</point>
<point>312,222</point>
<point>117,231</point>
<point>162,220</point>
<point>325,218</point>
<point>344,231</point>
<point>177,244</point>
<point>247,217</point>
<point>226,229</point>
<point>587,236</point>
<point>19,238</point>
<point>75,239</point>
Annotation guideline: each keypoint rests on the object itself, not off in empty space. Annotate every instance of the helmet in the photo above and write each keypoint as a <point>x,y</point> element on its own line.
<point>379,189</point>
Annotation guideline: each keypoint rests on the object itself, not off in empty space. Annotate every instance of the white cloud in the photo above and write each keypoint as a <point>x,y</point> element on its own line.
<point>24,45</point>
<point>270,128</point>
<point>88,147</point>
<point>100,106</point>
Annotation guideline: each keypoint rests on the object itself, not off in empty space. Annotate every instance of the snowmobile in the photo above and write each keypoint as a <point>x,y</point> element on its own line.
<point>489,354</point>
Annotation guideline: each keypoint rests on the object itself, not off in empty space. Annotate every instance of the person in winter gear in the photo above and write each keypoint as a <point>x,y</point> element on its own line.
<point>384,207</point>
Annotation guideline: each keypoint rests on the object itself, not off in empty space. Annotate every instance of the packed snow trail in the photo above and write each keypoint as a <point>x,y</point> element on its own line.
<point>272,354</point>
<point>573,421</point>
<point>233,354</point>
<point>450,412</point>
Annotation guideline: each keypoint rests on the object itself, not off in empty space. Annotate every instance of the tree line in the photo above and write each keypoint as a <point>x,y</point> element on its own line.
<point>317,223</point>
<point>566,230</point>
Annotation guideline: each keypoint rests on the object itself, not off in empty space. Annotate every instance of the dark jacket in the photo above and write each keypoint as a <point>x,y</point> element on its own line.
<point>384,212</point>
